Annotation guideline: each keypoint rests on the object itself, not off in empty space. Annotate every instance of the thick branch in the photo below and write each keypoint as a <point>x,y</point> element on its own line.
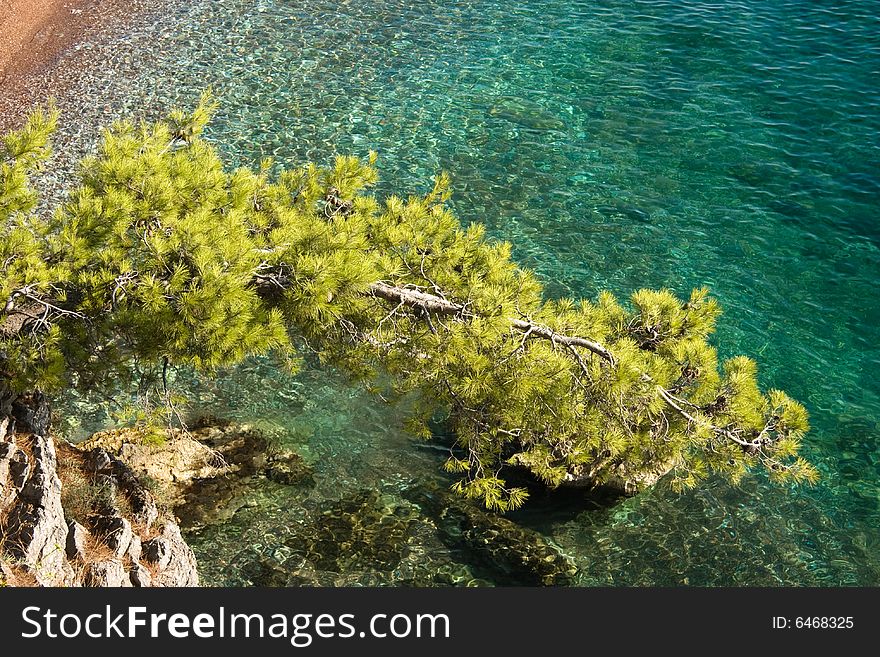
<point>415,299</point>
<point>547,333</point>
<point>432,303</point>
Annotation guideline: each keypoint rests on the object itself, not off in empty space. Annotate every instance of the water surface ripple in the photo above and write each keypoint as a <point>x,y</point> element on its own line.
<point>617,144</point>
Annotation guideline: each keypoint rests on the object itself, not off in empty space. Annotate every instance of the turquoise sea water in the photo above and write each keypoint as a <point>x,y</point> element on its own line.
<point>617,144</point>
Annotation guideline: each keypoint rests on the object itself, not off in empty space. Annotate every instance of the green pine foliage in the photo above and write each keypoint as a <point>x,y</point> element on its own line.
<point>162,257</point>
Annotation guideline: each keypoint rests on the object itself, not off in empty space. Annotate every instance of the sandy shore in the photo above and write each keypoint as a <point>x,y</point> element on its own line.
<point>34,32</point>
<point>39,46</point>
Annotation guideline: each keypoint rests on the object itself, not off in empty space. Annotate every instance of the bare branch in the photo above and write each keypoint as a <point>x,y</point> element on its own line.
<point>434,304</point>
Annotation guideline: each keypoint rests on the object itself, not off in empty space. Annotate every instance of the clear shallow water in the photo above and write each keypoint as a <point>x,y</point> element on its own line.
<point>617,145</point>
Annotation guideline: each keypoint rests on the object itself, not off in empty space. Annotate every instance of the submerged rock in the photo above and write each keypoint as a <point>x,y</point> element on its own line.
<point>370,537</point>
<point>507,552</point>
<point>359,532</point>
<point>264,571</point>
<point>525,113</point>
<point>622,480</point>
<point>289,469</point>
<point>623,208</point>
<point>422,539</point>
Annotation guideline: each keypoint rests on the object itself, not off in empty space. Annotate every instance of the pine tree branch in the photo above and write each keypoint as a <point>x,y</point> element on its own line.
<point>416,299</point>
<point>563,340</point>
<point>432,303</point>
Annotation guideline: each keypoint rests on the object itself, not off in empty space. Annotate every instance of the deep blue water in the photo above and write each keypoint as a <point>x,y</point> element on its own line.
<point>617,144</point>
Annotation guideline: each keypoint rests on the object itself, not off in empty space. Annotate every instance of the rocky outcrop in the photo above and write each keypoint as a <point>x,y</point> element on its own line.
<point>84,517</point>
<point>124,524</point>
<point>77,535</point>
<point>106,573</point>
<point>172,559</point>
<point>34,526</point>
<point>113,531</point>
<point>31,411</point>
<point>200,474</point>
<point>41,545</point>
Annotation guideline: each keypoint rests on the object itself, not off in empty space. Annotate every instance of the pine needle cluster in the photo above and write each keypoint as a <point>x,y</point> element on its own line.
<point>162,257</point>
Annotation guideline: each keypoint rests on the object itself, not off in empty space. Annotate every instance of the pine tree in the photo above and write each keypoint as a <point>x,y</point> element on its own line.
<point>162,258</point>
